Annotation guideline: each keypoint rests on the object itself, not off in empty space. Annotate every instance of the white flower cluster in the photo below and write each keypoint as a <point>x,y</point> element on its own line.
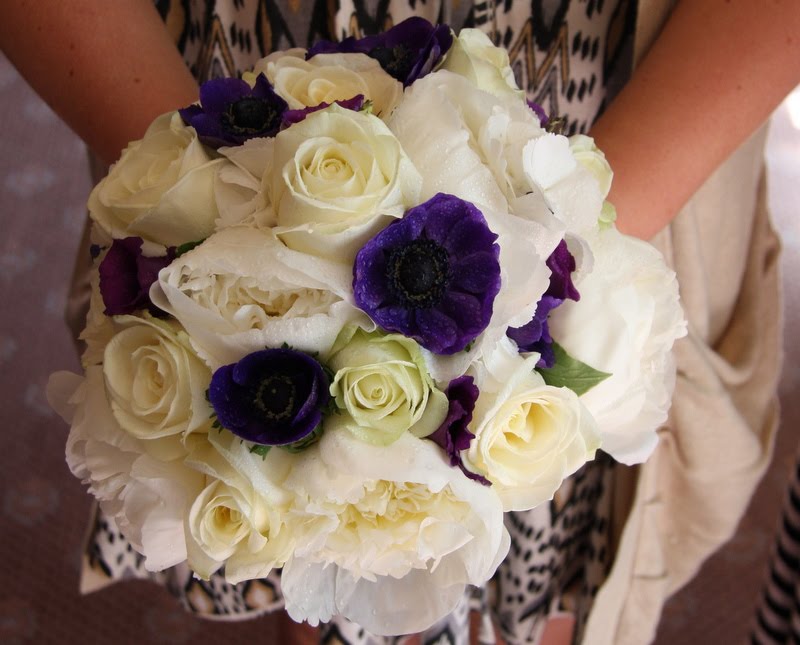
<point>372,521</point>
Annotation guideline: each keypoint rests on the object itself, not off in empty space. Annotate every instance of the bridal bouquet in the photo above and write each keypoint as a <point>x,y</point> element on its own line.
<point>347,311</point>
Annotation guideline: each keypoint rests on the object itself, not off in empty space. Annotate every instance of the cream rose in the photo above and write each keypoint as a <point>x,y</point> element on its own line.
<point>326,78</point>
<point>474,56</point>
<point>529,436</point>
<point>161,189</point>
<point>148,498</point>
<point>383,388</point>
<point>155,382</point>
<point>243,290</point>
<point>240,519</point>
<point>339,177</point>
<point>389,537</point>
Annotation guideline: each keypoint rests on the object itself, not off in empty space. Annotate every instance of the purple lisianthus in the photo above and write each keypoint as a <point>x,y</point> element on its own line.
<point>432,275</point>
<point>231,112</point>
<point>290,117</point>
<point>271,397</point>
<point>534,336</point>
<point>453,435</point>
<point>408,51</point>
<point>126,276</point>
<point>538,110</point>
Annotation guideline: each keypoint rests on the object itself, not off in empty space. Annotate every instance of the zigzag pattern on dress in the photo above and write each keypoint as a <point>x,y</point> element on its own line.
<point>778,613</point>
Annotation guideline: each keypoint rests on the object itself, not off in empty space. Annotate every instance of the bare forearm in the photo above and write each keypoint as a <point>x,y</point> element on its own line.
<point>106,67</point>
<point>716,72</point>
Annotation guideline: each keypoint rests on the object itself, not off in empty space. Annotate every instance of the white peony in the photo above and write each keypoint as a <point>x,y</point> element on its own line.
<point>147,497</point>
<point>338,178</point>
<point>625,324</point>
<point>161,189</point>
<point>390,536</point>
<point>569,188</point>
<point>529,436</point>
<point>593,159</point>
<point>444,145</point>
<point>243,290</point>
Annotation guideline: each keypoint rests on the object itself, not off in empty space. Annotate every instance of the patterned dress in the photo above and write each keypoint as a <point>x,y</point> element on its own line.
<point>570,56</point>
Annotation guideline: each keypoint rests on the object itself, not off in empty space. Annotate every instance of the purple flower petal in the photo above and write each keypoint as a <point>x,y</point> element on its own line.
<point>231,112</point>
<point>438,332</point>
<point>126,276</point>
<point>270,397</point>
<point>540,113</point>
<point>453,436</point>
<point>218,93</point>
<point>408,51</point>
<point>411,265</point>
<point>474,274</point>
<point>534,336</point>
<point>290,117</point>
<point>562,264</point>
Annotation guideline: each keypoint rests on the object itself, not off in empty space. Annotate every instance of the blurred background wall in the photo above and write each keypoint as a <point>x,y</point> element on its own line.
<point>44,183</point>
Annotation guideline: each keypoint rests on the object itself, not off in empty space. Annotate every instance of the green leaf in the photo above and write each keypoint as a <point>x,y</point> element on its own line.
<point>305,442</point>
<point>571,373</point>
<point>188,246</point>
<point>260,449</point>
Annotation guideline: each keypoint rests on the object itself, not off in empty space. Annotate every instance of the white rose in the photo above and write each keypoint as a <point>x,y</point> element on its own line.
<point>243,290</point>
<point>161,189</point>
<point>148,498</point>
<point>240,520</point>
<point>529,436</point>
<point>326,78</point>
<point>339,177</point>
<point>390,536</point>
<point>474,56</point>
<point>593,159</point>
<point>156,383</point>
<point>383,388</point>
<point>625,324</point>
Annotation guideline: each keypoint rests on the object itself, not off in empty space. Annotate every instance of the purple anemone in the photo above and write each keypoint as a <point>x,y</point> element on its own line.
<point>453,435</point>
<point>534,336</point>
<point>408,51</point>
<point>271,397</point>
<point>231,112</point>
<point>432,275</point>
<point>126,276</point>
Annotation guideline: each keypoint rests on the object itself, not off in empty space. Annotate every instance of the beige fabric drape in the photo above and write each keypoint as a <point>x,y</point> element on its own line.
<point>688,498</point>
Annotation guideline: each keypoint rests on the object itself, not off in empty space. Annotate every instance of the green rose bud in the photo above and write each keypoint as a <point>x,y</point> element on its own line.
<point>383,387</point>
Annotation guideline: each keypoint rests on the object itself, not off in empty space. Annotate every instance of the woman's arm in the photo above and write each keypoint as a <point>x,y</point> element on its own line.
<point>715,73</point>
<point>108,68</point>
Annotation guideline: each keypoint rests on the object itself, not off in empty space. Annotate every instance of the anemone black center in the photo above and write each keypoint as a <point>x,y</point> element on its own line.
<point>418,273</point>
<point>250,115</point>
<point>397,61</point>
<point>275,397</point>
